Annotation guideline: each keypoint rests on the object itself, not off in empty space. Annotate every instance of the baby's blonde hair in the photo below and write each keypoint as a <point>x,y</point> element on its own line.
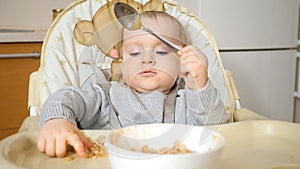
<point>183,38</point>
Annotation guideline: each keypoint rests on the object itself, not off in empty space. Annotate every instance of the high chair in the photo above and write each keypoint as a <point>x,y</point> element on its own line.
<point>68,47</point>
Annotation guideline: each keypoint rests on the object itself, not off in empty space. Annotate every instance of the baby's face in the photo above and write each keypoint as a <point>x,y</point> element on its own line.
<point>148,64</point>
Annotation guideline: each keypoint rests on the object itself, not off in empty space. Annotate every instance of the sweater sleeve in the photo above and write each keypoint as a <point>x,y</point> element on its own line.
<point>74,104</point>
<point>204,106</point>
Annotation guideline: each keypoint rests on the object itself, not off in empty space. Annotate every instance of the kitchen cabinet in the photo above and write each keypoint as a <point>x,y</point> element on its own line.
<point>16,64</point>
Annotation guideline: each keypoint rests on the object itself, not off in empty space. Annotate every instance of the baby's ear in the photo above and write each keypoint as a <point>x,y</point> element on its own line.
<point>84,33</point>
<point>114,53</point>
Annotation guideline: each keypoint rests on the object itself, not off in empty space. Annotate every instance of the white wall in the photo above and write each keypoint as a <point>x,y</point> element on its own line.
<point>193,7</point>
<point>36,14</point>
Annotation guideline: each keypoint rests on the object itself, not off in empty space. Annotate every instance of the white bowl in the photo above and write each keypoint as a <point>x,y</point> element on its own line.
<point>124,147</point>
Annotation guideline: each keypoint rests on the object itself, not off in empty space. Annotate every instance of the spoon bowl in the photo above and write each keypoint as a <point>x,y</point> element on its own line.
<point>130,19</point>
<point>127,16</point>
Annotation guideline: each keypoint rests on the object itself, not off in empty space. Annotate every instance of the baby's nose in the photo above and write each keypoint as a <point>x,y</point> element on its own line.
<point>148,58</point>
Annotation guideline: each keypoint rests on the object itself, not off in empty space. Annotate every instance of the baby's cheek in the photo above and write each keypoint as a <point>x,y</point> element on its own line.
<point>129,71</point>
<point>169,65</point>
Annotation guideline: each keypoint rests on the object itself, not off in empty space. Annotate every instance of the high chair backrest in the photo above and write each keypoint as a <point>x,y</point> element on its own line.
<point>64,58</point>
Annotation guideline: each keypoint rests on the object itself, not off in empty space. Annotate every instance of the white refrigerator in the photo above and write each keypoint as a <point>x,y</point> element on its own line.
<point>258,43</point>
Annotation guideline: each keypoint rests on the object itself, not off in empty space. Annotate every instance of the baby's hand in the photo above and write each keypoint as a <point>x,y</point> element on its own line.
<point>193,67</point>
<point>56,134</point>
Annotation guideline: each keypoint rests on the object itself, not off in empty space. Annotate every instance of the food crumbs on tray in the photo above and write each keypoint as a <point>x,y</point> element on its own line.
<point>97,150</point>
<point>69,158</point>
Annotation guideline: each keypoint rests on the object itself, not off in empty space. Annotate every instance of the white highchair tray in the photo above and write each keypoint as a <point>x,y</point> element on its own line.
<point>261,144</point>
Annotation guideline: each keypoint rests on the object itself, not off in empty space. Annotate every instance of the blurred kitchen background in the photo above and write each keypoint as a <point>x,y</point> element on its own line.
<point>23,26</point>
<point>31,14</point>
<point>258,41</point>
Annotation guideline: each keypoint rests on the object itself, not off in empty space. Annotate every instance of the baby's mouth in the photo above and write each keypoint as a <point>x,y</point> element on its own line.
<point>148,72</point>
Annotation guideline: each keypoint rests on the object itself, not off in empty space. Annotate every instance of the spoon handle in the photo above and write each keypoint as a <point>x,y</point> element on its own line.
<point>174,47</point>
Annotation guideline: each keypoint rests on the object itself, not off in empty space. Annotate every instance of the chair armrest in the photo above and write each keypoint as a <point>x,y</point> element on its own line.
<point>244,114</point>
<point>34,90</point>
<point>30,123</point>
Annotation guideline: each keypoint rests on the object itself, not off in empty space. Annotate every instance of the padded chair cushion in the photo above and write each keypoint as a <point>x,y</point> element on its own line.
<point>64,58</point>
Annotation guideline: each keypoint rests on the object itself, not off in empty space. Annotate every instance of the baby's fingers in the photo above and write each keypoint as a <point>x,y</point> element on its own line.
<point>189,50</point>
<point>184,70</point>
<point>50,147</point>
<point>41,145</point>
<point>87,144</point>
<point>75,141</point>
<point>61,147</point>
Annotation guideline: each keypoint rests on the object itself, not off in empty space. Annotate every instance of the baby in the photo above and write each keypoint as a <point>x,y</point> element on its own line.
<point>160,86</point>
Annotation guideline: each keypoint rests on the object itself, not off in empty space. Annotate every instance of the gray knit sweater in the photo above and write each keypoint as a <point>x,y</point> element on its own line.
<point>88,107</point>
